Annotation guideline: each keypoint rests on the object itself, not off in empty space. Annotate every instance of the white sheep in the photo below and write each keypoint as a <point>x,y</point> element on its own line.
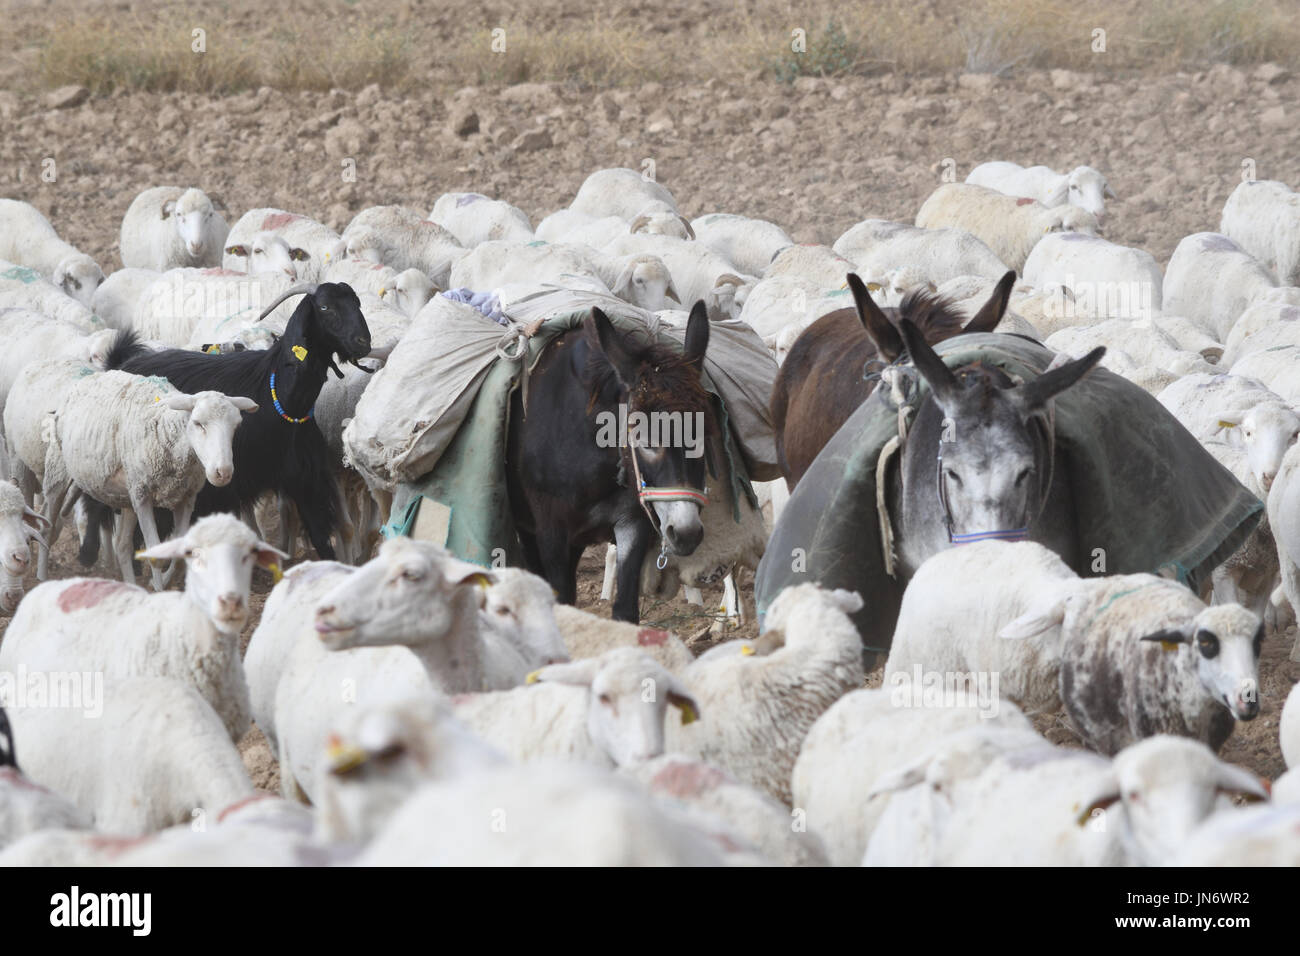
<point>1264,325</point>
<point>30,337</point>
<point>968,294</point>
<point>756,709</point>
<point>1263,216</point>
<point>123,631</point>
<point>209,305</point>
<point>119,444</point>
<point>868,734</point>
<point>876,246</point>
<point>19,526</point>
<point>115,300</point>
<point>495,263</point>
<point>473,219</point>
<point>697,272</point>
<point>1082,186</point>
<point>821,265</point>
<point>27,807</point>
<point>407,291</point>
<point>1212,280</point>
<point>272,240</point>
<point>954,608</point>
<point>1008,225</point>
<point>1142,340</point>
<point>607,710</point>
<point>1108,281</point>
<point>751,244</point>
<point>1257,836</point>
<point>400,237</point>
<point>625,193</point>
<point>156,755</point>
<point>779,302</point>
<point>1284,521</point>
<point>1277,367</point>
<point>565,225</point>
<point>1288,730</point>
<point>641,279</point>
<point>24,288</point>
<point>1056,807</point>
<point>586,635</point>
<point>28,239</point>
<point>755,815</point>
<point>167,226</point>
<point>1191,336</point>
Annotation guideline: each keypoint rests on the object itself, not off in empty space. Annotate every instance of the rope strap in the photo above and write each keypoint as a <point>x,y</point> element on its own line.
<point>701,498</point>
<point>1013,534</point>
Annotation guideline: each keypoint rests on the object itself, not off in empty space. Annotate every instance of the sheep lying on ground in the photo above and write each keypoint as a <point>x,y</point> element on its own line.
<point>24,288</point>
<point>823,266</point>
<point>89,624</point>
<point>1212,280</point>
<point>1008,225</point>
<point>157,755</point>
<point>750,243</point>
<point>167,226</point>
<point>625,193</point>
<point>1142,340</point>
<point>1263,216</point>
<point>607,710</point>
<point>473,219</point>
<point>115,300</point>
<point>877,245</point>
<point>1082,186</point>
<point>1264,325</point>
<point>756,710</point>
<point>403,239</point>
<point>697,272</point>
<point>209,305</point>
<point>868,734</point>
<point>272,240</point>
<point>30,337</point>
<point>28,239</point>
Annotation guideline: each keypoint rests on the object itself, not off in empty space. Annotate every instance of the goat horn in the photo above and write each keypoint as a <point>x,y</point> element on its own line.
<point>304,289</point>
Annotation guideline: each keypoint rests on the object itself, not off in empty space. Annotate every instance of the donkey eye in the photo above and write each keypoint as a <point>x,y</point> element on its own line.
<point>1020,478</point>
<point>951,475</point>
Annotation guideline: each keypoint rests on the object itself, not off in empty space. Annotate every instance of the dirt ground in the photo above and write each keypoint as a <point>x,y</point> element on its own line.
<point>816,157</point>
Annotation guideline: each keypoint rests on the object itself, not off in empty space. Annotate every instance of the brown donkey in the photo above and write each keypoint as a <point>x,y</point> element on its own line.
<point>825,377</point>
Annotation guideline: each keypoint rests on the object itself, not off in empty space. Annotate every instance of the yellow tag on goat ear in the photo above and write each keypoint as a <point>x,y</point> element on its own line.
<point>746,650</point>
<point>301,352</point>
<point>533,677</point>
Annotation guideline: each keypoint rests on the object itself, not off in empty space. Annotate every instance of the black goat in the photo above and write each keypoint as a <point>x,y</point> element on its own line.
<point>7,756</point>
<point>279,447</point>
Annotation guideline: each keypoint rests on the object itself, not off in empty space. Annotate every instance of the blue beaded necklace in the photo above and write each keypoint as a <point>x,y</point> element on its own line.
<point>275,400</point>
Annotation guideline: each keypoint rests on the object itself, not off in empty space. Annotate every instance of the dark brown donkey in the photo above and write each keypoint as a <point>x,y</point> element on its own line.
<point>825,377</point>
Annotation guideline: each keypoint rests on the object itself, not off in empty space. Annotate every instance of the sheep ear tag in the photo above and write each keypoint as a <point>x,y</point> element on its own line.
<point>276,574</point>
<point>300,352</point>
<point>1169,645</point>
<point>533,677</point>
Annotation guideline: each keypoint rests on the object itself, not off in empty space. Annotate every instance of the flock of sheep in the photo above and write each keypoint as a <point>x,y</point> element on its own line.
<point>426,710</point>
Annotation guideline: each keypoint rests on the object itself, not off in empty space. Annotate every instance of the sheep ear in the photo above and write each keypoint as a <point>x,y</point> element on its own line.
<point>180,402</point>
<point>269,556</point>
<point>1168,639</point>
<point>167,550</point>
<point>1045,612</point>
<point>243,403</point>
<point>1109,193</point>
<point>690,233</point>
<point>1234,781</point>
<point>671,293</point>
<point>457,572</point>
<point>1109,794</point>
<point>1057,194</point>
<point>577,673</point>
<point>899,779</point>
<point>685,703</point>
<point>881,332</point>
<point>624,280</point>
<point>1229,420</point>
<point>991,313</point>
<point>169,207</point>
<point>241,251</point>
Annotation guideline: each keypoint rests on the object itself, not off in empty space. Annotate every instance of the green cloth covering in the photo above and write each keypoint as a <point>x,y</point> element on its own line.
<point>1145,490</point>
<point>470,478</point>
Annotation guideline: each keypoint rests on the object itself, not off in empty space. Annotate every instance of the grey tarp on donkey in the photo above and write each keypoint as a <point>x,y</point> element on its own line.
<point>1145,490</point>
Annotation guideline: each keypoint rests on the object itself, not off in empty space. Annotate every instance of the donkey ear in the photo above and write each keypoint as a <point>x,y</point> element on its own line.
<point>988,317</point>
<point>937,375</point>
<point>611,344</point>
<point>883,335</point>
<point>1037,393</point>
<point>697,332</point>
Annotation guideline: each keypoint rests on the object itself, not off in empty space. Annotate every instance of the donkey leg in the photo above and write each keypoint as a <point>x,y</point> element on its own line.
<point>633,540</point>
<point>559,565</point>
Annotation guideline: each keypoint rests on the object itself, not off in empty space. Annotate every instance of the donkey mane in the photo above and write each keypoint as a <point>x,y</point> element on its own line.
<point>987,379</point>
<point>673,386</point>
<point>936,316</point>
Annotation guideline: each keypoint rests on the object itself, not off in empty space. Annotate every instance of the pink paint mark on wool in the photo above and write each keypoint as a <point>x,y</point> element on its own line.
<point>687,779</point>
<point>1023,201</point>
<point>218,271</point>
<point>15,778</point>
<point>278,220</point>
<point>240,804</point>
<point>88,593</point>
<point>651,637</point>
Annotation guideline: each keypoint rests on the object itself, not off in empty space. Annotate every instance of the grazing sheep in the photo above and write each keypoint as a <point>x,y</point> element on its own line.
<point>954,608</point>
<point>118,444</point>
<point>607,710</point>
<point>625,193</point>
<point>751,244</point>
<point>1263,216</point>
<point>24,288</point>
<point>877,246</point>
<point>1212,280</point>
<point>167,227</point>
<point>473,219</point>
<point>1108,281</point>
<point>123,631</point>
<point>756,710</point>
<point>1010,226</point>
<point>28,239</point>
<point>867,735</point>
<point>1082,186</point>
<point>157,755</point>
<point>403,239</point>
<point>27,807</point>
<point>756,816</point>
<point>116,299</point>
<point>272,240</point>
<point>1057,807</point>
